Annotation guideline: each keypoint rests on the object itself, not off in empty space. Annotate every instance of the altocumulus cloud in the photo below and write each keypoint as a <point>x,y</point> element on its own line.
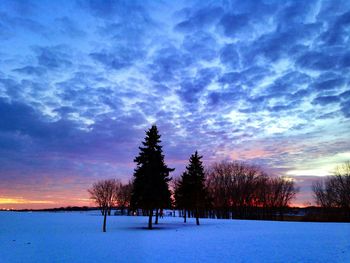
<point>262,81</point>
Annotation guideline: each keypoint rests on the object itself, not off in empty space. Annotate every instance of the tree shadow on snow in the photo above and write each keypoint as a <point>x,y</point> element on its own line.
<point>164,226</point>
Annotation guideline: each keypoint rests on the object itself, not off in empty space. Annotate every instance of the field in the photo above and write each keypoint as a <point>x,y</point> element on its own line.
<point>42,237</point>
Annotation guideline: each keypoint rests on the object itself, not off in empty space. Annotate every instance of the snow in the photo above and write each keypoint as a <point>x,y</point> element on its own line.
<point>77,237</point>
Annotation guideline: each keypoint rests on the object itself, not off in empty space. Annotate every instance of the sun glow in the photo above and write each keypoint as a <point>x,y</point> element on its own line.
<point>20,200</point>
<point>325,165</point>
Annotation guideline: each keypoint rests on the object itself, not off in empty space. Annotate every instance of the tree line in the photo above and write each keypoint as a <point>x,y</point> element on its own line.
<point>225,190</point>
<point>333,194</point>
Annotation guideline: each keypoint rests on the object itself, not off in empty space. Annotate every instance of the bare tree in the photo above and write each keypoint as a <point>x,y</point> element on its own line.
<point>280,192</point>
<point>324,194</point>
<point>334,191</point>
<point>232,186</point>
<point>124,196</point>
<point>222,185</point>
<point>342,175</point>
<point>104,194</point>
<point>241,190</point>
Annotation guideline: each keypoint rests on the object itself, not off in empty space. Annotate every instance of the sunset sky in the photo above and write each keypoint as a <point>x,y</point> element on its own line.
<point>265,82</point>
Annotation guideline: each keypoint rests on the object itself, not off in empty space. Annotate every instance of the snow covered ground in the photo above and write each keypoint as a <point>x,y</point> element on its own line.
<point>77,237</point>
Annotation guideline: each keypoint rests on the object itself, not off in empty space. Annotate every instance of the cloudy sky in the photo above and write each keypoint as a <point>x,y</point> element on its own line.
<point>266,82</point>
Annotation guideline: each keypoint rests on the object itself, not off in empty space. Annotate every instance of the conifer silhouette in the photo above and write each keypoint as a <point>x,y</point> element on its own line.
<point>151,176</point>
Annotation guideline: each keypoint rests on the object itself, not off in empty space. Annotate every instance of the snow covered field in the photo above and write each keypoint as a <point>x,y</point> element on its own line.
<point>77,237</point>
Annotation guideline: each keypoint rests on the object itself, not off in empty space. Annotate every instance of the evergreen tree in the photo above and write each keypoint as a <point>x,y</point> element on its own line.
<point>191,193</point>
<point>151,176</point>
<point>182,194</point>
<point>196,176</point>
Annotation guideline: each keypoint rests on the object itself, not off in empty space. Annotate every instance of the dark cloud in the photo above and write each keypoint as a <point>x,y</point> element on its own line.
<point>337,33</point>
<point>282,44</point>
<point>301,94</point>
<point>326,83</point>
<point>294,77</point>
<point>294,13</point>
<point>257,10</point>
<point>11,142</point>
<point>330,115</point>
<point>231,78</point>
<point>129,14</point>
<point>69,28</point>
<point>324,100</point>
<point>201,45</point>
<point>230,56</point>
<point>101,8</point>
<point>345,95</point>
<point>200,19</point>
<point>87,93</point>
<point>192,88</point>
<point>345,61</point>
<point>22,125</point>
<point>19,7</point>
<point>232,24</point>
<point>345,108</point>
<point>253,75</point>
<point>288,83</point>
<point>9,87</point>
<point>282,107</point>
<point>64,111</point>
<point>20,118</point>
<point>54,57</point>
<point>31,70</point>
<point>318,61</point>
<point>110,60</point>
<point>8,23</point>
<point>168,62</point>
<point>225,100</point>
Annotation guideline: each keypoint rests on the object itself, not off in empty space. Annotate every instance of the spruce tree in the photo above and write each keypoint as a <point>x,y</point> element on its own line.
<point>196,184</point>
<point>183,194</point>
<point>151,176</point>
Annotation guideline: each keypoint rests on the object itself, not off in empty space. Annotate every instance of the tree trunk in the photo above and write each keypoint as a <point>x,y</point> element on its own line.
<point>185,216</point>
<point>150,219</point>
<point>157,215</point>
<point>104,221</point>
<point>197,217</point>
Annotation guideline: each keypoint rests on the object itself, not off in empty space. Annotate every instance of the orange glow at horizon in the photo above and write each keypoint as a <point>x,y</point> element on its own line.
<point>16,202</point>
<point>23,201</point>
<point>13,203</point>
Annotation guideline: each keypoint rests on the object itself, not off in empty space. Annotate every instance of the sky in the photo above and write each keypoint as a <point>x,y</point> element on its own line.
<point>264,82</point>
